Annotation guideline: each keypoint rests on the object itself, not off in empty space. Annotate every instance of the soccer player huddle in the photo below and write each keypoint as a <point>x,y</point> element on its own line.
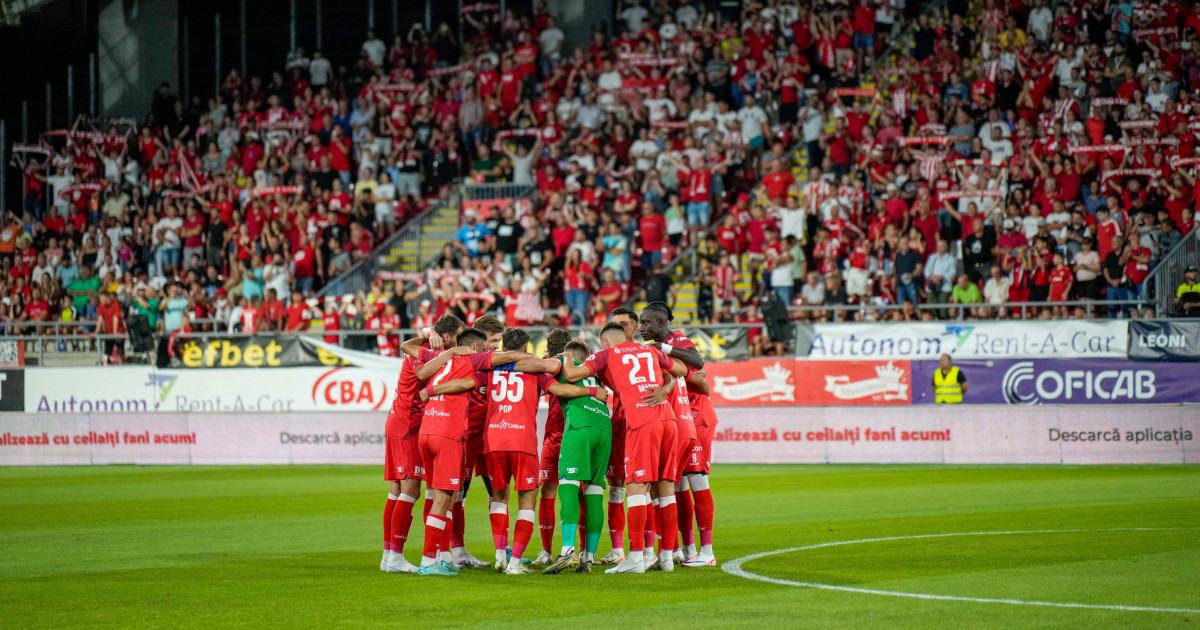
<point>630,417</point>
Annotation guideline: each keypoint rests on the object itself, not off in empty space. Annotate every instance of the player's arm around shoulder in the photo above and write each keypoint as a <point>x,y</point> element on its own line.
<point>456,386</point>
<point>563,390</point>
<point>688,355</point>
<point>579,372</point>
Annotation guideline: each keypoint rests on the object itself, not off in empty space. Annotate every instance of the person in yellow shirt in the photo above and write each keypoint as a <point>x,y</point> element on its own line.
<point>949,383</point>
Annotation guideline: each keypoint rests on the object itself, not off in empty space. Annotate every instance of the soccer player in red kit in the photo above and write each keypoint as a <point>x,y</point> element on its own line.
<point>628,320</point>
<point>637,374</point>
<point>473,462</point>
<point>512,450</point>
<point>402,458</point>
<point>440,440</point>
<point>556,342</point>
<point>696,463</point>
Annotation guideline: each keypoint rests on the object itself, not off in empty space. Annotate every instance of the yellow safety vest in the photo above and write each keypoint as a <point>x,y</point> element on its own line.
<point>946,389</point>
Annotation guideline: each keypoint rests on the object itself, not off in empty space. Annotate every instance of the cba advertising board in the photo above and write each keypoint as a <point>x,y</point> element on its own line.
<point>140,389</point>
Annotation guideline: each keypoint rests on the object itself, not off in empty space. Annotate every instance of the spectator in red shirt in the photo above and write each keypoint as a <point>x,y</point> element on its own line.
<point>1061,280</point>
<point>297,314</point>
<point>110,321</point>
<point>652,229</point>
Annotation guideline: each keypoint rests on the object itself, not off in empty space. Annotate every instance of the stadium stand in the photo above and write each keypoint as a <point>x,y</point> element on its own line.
<point>862,161</point>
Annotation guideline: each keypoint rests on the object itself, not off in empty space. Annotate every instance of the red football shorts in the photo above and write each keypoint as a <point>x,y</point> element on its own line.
<point>701,460</point>
<point>685,449</point>
<point>402,459</point>
<point>474,464</point>
<point>651,452</point>
<point>443,458</point>
<point>548,469</point>
<point>522,468</point>
<point>616,459</point>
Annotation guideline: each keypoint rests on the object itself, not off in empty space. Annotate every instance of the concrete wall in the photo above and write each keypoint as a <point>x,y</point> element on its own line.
<point>138,49</point>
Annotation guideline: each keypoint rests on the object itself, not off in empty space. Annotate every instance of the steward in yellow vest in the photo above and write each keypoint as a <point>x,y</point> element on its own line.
<point>949,383</point>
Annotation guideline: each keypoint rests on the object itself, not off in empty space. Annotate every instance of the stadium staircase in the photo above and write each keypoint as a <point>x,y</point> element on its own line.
<point>412,248</point>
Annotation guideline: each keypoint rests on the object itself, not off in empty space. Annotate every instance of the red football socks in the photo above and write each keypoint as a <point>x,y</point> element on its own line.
<point>684,501</point>
<point>388,508</point>
<point>546,519</point>
<point>704,514</point>
<point>435,530</point>
<point>402,518</point>
<point>523,532</point>
<point>499,518</point>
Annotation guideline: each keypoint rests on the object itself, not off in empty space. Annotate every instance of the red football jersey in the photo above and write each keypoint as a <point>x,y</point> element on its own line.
<point>632,369</point>
<point>702,407</point>
<point>555,424</point>
<point>512,404</point>
<point>407,407</point>
<point>683,411</point>
<point>446,415</point>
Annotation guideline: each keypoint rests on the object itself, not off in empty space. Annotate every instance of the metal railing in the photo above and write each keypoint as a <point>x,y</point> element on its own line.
<point>1093,309</point>
<point>360,276</point>
<point>1168,274</point>
<point>498,190</point>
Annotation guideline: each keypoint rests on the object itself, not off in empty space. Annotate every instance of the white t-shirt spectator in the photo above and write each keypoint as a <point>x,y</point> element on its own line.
<point>375,49</point>
<point>550,41</point>
<point>609,81</point>
<point>319,71</point>
<point>686,15</point>
<point>1001,149</point>
<point>723,121</point>
<point>781,273</point>
<point>167,231</point>
<point>700,115</point>
<point>752,119</point>
<point>996,292</point>
<point>660,108</point>
<point>59,183</point>
<point>644,152</point>
<point>633,17</point>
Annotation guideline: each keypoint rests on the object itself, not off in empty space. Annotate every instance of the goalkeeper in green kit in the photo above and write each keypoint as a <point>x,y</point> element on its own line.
<point>583,461</point>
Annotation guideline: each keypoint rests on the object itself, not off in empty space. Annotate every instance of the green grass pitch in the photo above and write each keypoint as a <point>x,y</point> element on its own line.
<point>299,547</point>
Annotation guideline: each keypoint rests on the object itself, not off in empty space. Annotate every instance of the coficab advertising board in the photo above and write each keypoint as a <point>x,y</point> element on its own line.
<point>859,341</point>
<point>1066,381</point>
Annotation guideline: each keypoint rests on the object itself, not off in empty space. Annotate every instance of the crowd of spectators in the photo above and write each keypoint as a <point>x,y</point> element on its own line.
<point>1007,153</point>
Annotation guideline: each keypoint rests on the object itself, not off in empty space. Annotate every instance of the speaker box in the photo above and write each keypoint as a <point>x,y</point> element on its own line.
<point>141,336</point>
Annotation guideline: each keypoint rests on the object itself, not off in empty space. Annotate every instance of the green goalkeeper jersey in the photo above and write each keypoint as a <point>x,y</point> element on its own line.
<point>585,411</point>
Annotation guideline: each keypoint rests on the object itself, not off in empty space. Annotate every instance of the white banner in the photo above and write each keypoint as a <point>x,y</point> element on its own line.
<point>969,340</point>
<point>1161,434</point>
<point>143,389</point>
<point>959,434</point>
<point>181,438</point>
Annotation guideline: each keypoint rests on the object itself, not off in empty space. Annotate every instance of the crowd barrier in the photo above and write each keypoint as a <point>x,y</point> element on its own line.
<point>1060,434</point>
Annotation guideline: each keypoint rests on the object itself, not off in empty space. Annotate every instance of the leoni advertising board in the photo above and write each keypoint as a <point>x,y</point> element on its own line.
<point>857,341</point>
<point>1157,340</point>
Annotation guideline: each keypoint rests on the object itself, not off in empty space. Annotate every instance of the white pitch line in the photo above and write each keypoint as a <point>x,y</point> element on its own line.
<point>734,567</point>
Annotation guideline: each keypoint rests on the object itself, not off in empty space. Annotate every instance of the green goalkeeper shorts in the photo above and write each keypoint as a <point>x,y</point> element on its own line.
<point>584,455</point>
